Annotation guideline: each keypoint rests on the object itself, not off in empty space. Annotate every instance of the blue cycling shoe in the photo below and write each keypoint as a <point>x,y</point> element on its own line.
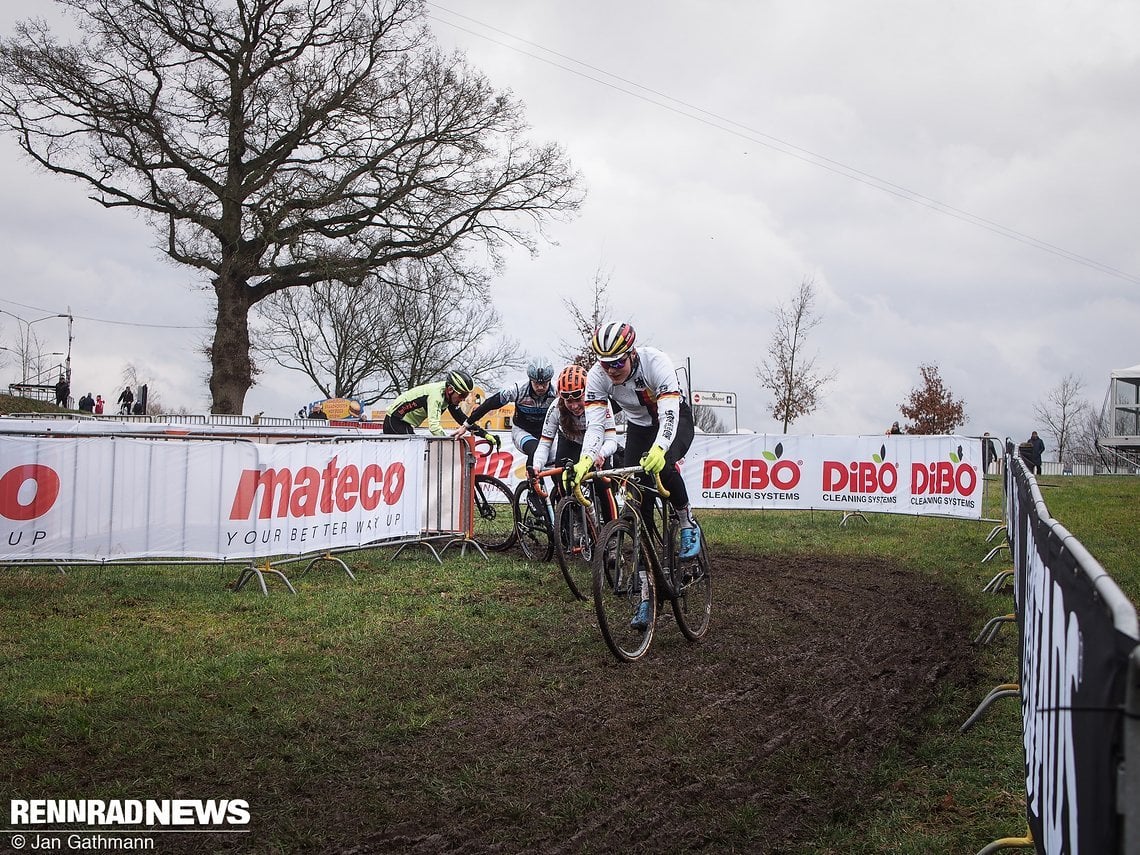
<point>690,542</point>
<point>640,620</point>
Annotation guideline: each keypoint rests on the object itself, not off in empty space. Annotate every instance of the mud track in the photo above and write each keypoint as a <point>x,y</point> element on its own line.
<point>748,740</point>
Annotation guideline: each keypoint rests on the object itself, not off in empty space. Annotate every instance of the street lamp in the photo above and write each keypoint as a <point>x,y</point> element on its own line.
<point>27,340</point>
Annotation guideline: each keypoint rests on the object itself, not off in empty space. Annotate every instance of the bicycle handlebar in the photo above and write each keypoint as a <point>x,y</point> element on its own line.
<point>622,473</point>
<point>536,481</point>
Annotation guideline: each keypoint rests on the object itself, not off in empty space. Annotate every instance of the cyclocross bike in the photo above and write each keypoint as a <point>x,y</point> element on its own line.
<point>533,516</point>
<point>492,513</point>
<point>578,522</point>
<point>635,560</point>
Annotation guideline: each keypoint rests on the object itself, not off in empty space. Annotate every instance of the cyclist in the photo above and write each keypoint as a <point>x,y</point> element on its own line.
<point>659,422</point>
<point>427,402</point>
<point>566,422</point>
<point>531,399</point>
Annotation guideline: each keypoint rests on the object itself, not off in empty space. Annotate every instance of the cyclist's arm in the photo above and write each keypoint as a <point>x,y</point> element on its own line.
<point>662,378</point>
<point>492,403</point>
<point>435,405</point>
<point>546,440</point>
<point>598,388</point>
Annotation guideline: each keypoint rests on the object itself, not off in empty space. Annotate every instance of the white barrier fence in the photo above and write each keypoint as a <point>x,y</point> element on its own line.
<point>106,492</point>
<point>114,498</point>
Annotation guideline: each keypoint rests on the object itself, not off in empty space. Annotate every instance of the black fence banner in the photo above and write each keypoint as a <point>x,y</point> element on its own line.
<point>1073,663</point>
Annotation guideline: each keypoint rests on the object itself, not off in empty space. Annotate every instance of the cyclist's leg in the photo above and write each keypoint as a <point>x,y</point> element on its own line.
<point>565,449</point>
<point>394,425</point>
<point>525,442</point>
<point>675,484</point>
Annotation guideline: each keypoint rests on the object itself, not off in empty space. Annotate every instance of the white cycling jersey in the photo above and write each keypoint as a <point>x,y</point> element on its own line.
<point>650,396</point>
<point>574,429</point>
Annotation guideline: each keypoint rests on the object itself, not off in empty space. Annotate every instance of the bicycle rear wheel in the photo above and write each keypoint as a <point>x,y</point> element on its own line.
<point>493,514</point>
<point>575,536</point>
<point>620,588</point>
<point>690,581</point>
<point>533,528</point>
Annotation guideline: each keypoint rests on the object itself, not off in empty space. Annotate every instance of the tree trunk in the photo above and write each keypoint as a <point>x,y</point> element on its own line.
<point>231,372</point>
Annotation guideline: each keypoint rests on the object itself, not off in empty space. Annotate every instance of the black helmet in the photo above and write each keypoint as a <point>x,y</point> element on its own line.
<point>460,381</point>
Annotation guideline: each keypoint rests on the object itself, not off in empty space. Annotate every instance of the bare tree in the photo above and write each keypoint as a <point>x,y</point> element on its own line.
<point>584,321</point>
<point>379,339</point>
<point>931,407</point>
<point>136,378</point>
<point>280,143</point>
<point>1063,412</point>
<point>788,371</point>
<point>27,350</point>
<point>706,419</point>
<point>1084,438</point>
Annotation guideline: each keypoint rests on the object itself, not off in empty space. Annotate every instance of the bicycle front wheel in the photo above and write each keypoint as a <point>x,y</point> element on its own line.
<point>533,528</point>
<point>575,536</point>
<point>622,583</point>
<point>493,514</point>
<point>691,584</point>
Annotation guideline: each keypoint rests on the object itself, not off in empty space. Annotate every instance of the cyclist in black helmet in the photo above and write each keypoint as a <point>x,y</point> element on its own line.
<point>531,399</point>
<point>427,402</point>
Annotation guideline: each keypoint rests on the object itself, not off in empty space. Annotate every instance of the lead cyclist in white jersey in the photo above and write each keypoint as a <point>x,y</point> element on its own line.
<point>659,423</point>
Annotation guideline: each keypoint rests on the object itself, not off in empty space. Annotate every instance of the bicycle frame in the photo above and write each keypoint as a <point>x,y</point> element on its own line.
<point>636,563</point>
<point>625,476</point>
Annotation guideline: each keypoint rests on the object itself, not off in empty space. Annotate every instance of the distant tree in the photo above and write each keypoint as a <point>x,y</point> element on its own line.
<point>931,407</point>
<point>137,377</point>
<point>584,320</point>
<point>28,352</point>
<point>277,144</point>
<point>788,371</point>
<point>1062,414</point>
<point>1084,438</point>
<point>707,420</point>
<point>379,339</point>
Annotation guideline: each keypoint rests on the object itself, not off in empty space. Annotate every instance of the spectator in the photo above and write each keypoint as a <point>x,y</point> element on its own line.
<point>126,399</point>
<point>62,391</point>
<point>87,404</point>
<point>989,453</point>
<point>138,409</point>
<point>1038,449</point>
<point>895,428</point>
<point>98,405</point>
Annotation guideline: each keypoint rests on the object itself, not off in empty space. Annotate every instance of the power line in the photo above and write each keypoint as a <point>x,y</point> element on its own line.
<point>108,321</point>
<point>753,135</point>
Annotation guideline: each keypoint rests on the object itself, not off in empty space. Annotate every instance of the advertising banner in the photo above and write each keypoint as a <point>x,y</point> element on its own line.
<point>114,498</point>
<point>916,475</point>
<point>1073,661</point>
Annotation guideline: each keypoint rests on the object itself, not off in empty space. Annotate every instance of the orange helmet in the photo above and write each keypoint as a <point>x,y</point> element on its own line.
<point>572,382</point>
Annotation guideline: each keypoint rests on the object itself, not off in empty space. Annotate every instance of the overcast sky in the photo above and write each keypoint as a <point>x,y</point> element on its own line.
<point>960,180</point>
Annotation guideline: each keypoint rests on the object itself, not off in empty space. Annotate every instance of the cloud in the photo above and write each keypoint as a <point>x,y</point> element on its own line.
<point>959,180</point>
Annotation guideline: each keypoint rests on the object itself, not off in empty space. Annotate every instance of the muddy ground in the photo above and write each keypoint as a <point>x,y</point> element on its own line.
<point>747,741</point>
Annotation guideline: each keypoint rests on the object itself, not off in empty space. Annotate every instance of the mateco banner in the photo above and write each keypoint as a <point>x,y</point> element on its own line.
<point>927,475</point>
<point>119,498</point>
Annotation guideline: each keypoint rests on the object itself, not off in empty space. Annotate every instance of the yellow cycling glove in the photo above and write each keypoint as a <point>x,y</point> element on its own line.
<point>653,461</point>
<point>572,476</point>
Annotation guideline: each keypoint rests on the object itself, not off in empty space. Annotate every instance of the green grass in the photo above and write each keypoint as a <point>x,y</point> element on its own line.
<point>17,404</point>
<point>161,681</point>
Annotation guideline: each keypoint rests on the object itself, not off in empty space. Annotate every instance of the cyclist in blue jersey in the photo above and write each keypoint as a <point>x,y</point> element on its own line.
<point>531,399</point>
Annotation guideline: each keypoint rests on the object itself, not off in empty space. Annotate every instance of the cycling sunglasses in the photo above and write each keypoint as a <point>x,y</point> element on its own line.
<point>576,395</point>
<point>615,364</point>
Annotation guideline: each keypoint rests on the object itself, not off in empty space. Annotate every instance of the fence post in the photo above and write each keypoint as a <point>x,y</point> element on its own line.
<point>1128,792</point>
